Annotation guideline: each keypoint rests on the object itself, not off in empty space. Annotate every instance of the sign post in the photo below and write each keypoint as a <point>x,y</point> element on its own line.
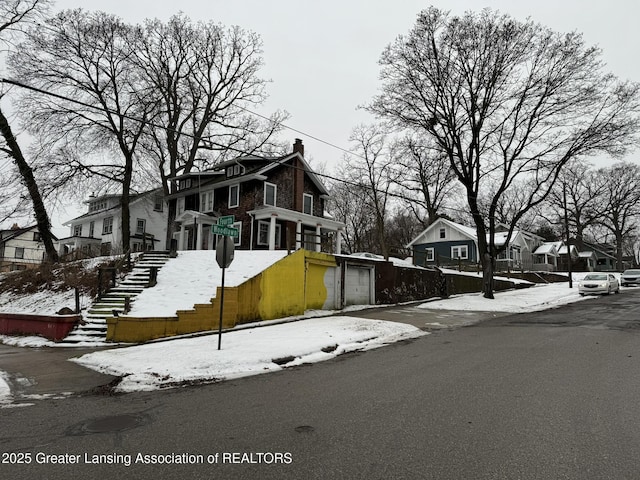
<point>224,256</point>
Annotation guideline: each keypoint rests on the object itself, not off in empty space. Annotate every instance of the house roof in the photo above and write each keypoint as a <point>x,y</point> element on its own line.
<point>547,248</point>
<point>260,167</point>
<point>133,198</point>
<point>500,238</point>
<point>11,233</point>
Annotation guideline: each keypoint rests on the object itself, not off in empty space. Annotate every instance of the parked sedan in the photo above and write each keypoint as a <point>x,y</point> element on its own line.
<point>630,277</point>
<point>596,283</point>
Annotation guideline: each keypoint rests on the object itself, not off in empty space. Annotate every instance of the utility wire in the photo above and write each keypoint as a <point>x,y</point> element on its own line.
<point>221,146</point>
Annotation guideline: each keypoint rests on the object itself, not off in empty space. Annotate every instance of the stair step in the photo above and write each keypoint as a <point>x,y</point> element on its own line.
<point>94,330</point>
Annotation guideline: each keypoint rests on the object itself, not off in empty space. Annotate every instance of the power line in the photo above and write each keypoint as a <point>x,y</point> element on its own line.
<point>221,146</point>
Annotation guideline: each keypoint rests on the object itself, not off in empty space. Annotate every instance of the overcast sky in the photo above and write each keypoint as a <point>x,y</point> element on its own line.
<point>322,55</point>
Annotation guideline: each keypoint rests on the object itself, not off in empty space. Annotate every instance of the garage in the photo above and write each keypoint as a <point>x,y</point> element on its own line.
<point>358,285</point>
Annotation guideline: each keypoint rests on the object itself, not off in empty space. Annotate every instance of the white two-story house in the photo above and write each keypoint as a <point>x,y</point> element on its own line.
<point>99,231</point>
<point>20,248</point>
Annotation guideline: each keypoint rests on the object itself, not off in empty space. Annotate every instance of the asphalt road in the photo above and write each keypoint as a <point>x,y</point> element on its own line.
<point>548,395</point>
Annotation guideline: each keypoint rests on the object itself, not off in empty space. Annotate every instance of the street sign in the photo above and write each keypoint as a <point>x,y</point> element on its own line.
<point>226,220</point>
<point>224,252</point>
<point>224,230</point>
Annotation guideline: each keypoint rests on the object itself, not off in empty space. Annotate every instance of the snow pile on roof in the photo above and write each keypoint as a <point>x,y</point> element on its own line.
<point>193,276</point>
<point>244,352</point>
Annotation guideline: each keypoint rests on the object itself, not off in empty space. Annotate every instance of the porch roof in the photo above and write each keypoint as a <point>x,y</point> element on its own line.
<point>294,216</point>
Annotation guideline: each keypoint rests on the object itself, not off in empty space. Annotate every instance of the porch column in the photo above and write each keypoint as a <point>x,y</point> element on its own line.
<point>299,235</point>
<point>199,236</point>
<point>338,242</point>
<point>272,233</point>
<point>181,246</point>
<point>318,239</point>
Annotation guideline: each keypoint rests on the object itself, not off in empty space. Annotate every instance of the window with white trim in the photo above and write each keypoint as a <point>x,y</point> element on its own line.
<point>234,195</point>
<point>107,226</point>
<point>307,204</point>
<point>206,202</point>
<point>77,230</point>
<point>92,226</point>
<point>238,240</point>
<point>270,191</point>
<point>158,203</point>
<point>460,251</point>
<point>141,224</point>
<point>430,254</point>
<point>263,233</point>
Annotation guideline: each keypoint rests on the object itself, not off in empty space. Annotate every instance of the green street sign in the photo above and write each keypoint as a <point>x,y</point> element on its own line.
<point>226,220</point>
<point>224,230</point>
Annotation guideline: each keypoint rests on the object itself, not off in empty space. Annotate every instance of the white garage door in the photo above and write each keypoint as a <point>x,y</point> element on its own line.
<point>331,282</point>
<point>357,288</point>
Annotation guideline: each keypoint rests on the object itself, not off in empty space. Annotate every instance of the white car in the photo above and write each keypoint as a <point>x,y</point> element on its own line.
<point>630,277</point>
<point>596,283</point>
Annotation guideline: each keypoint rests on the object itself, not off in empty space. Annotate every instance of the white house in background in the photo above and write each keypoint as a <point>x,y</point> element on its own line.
<point>99,231</point>
<point>446,242</point>
<point>20,248</point>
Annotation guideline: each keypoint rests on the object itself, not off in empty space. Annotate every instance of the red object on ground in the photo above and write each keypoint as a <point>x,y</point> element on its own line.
<point>53,327</point>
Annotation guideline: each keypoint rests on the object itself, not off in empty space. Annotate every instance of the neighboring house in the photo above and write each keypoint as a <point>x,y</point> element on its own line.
<point>276,203</point>
<point>20,248</point>
<point>99,231</point>
<point>446,242</point>
<point>552,256</point>
<point>605,256</point>
<point>545,257</point>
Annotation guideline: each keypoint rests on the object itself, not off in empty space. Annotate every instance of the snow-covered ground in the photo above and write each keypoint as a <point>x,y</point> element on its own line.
<point>193,277</point>
<point>244,352</point>
<point>249,351</point>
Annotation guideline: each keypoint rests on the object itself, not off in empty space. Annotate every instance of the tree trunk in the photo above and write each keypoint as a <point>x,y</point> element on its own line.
<point>619,252</point>
<point>172,206</point>
<point>39,210</point>
<point>487,275</point>
<point>124,203</point>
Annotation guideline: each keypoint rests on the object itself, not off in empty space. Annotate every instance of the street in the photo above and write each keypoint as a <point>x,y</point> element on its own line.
<point>543,395</point>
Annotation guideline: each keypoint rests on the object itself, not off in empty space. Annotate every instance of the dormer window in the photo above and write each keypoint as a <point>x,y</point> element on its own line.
<point>235,170</point>
<point>97,205</point>
<point>184,184</point>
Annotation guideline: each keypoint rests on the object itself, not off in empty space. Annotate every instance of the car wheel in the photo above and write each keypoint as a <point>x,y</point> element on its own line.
<point>608,290</point>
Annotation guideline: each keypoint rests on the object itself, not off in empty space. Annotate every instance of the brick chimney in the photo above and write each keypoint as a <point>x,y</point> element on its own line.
<point>298,176</point>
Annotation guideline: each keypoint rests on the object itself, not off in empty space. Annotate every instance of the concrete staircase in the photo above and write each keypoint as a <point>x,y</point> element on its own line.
<point>94,331</point>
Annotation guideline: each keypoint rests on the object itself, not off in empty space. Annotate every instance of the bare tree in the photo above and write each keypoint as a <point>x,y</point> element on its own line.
<point>13,15</point>
<point>373,169</point>
<point>583,190</point>
<point>349,204</point>
<point>424,177</point>
<point>505,101</point>
<point>201,77</point>
<point>621,190</point>
<point>84,97</point>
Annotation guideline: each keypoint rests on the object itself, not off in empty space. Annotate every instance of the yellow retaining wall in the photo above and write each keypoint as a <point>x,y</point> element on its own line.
<point>286,288</point>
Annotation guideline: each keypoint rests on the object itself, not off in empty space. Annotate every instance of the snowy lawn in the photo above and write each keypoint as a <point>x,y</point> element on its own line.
<point>532,299</point>
<point>244,352</point>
